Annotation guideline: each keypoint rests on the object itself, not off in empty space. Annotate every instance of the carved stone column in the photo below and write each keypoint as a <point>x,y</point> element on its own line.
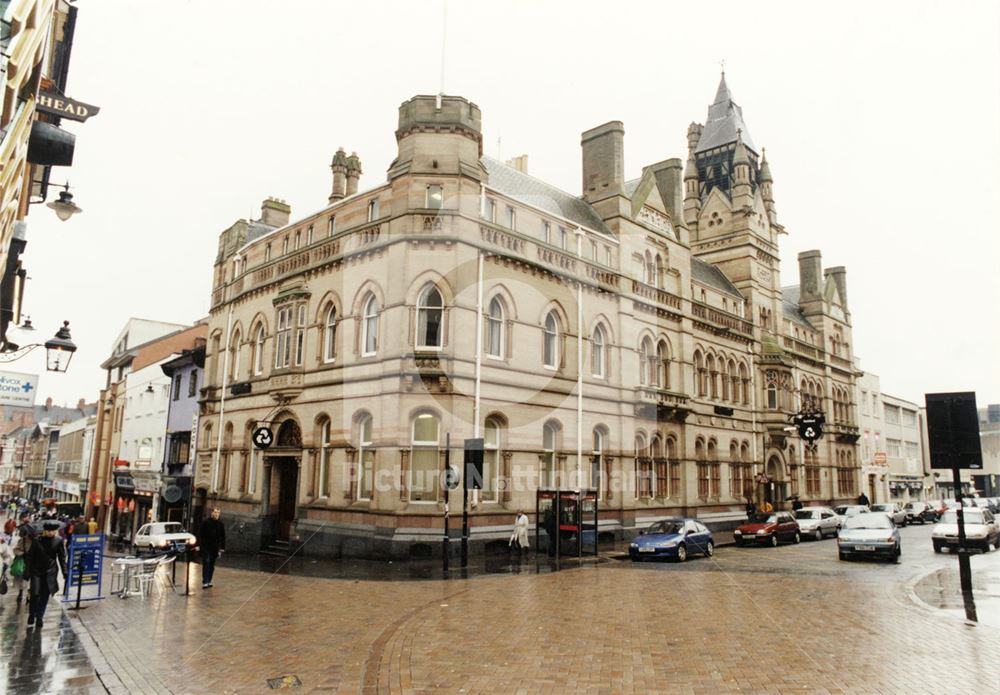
<point>350,465</point>
<point>561,469</point>
<point>609,469</point>
<point>505,470</point>
<point>404,471</point>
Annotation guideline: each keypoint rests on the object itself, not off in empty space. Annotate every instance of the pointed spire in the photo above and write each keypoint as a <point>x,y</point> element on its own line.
<point>765,169</point>
<point>722,93</point>
<point>691,169</point>
<point>740,155</point>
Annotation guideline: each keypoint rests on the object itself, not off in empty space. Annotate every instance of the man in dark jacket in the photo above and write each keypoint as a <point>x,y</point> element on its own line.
<point>43,562</point>
<point>212,542</point>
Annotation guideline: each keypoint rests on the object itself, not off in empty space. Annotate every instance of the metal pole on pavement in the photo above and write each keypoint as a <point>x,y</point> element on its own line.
<point>447,491</point>
<point>465,516</point>
<point>964,566</point>
<point>79,579</point>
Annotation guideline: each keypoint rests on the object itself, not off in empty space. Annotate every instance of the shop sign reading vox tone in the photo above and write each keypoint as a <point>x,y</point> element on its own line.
<point>18,389</point>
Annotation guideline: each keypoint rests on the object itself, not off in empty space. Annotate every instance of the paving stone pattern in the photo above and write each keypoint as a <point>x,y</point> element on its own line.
<point>607,628</point>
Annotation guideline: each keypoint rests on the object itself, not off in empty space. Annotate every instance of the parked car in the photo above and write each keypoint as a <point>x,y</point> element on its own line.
<point>846,511</point>
<point>870,535</point>
<point>893,510</point>
<point>674,538</point>
<point>817,522</point>
<point>161,536</point>
<point>920,512</point>
<point>769,529</point>
<point>985,503</point>
<point>981,530</point>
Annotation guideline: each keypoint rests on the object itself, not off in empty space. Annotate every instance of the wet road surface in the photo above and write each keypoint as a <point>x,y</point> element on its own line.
<point>792,619</point>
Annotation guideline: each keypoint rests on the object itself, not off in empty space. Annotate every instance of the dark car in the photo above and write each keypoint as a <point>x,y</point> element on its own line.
<point>920,513</point>
<point>768,529</point>
<point>673,538</point>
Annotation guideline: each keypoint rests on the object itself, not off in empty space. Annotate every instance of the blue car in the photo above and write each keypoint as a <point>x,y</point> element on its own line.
<point>673,538</point>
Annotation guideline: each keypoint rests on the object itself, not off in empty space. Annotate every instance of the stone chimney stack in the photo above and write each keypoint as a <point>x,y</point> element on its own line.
<point>839,276</point>
<point>603,160</point>
<point>81,404</point>
<point>810,280</point>
<point>519,163</point>
<point>339,168</point>
<point>275,212</point>
<point>353,173</point>
<point>48,403</point>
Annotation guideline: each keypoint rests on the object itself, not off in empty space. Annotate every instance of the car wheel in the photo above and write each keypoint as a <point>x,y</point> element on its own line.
<point>682,553</point>
<point>774,540</point>
<point>819,534</point>
<point>709,549</point>
<point>937,547</point>
<point>895,558</point>
<point>798,538</point>
<point>842,554</point>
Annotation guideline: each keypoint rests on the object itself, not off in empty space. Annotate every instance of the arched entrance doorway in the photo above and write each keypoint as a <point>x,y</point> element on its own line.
<point>281,475</point>
<point>775,489</point>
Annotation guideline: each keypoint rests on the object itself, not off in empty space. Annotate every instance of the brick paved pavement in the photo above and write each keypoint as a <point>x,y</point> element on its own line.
<point>787,620</point>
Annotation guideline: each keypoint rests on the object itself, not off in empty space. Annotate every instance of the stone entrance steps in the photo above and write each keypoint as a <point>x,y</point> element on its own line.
<point>277,548</point>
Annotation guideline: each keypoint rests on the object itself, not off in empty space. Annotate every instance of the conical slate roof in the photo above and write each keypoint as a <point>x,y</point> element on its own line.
<point>724,123</point>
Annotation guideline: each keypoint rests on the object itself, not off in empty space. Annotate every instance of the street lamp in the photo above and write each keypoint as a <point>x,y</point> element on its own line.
<point>59,349</point>
<point>64,207</point>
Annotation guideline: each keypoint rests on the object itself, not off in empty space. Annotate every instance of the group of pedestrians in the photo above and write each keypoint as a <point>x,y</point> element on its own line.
<point>33,560</point>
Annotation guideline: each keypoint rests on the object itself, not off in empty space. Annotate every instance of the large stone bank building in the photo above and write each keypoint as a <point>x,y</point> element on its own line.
<point>635,338</point>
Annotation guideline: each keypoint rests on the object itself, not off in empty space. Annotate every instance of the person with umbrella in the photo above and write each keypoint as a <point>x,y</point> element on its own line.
<point>796,502</point>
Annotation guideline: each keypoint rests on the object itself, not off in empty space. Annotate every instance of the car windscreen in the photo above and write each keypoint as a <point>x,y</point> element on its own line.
<point>840,510</point>
<point>765,519</point>
<point>807,514</point>
<point>971,516</point>
<point>666,527</point>
<point>882,508</point>
<point>168,528</point>
<point>868,521</point>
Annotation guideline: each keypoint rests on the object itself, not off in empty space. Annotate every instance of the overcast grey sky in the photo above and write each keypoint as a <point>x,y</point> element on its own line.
<point>881,122</point>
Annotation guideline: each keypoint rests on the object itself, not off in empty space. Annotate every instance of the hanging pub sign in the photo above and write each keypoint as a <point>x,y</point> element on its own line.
<point>59,105</point>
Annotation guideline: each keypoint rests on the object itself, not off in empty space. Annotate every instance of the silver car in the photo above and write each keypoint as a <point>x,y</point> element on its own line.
<point>893,510</point>
<point>870,535</point>
<point>817,522</point>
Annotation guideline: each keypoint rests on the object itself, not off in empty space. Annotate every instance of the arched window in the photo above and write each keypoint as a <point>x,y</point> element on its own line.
<point>659,466</point>
<point>369,326</point>
<point>495,329</point>
<point>645,360</point>
<point>424,466</point>
<point>366,457</point>
<point>597,353</point>
<point>643,469</point>
<point>491,458</point>
<point>659,271</point>
<point>699,373</point>
<point>772,396</point>
<point>744,381</point>
<point>430,309</point>
<point>236,357</point>
<point>662,365</point>
<point>596,460</point>
<point>324,459</point>
<point>550,442</point>
<point>550,341</point>
<point>734,392</point>
<point>713,388</point>
<point>258,351</point>
<point>330,334</point>
<point>724,378</point>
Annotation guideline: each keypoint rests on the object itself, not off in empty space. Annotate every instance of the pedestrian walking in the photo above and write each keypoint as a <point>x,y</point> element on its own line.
<point>751,509</point>
<point>797,504</point>
<point>9,526</point>
<point>24,536</point>
<point>92,526</point>
<point>45,560</point>
<point>863,499</point>
<point>212,542</point>
<point>6,560</point>
<point>519,537</point>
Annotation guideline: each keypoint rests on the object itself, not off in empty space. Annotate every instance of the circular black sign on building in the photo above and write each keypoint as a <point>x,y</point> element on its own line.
<point>263,437</point>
